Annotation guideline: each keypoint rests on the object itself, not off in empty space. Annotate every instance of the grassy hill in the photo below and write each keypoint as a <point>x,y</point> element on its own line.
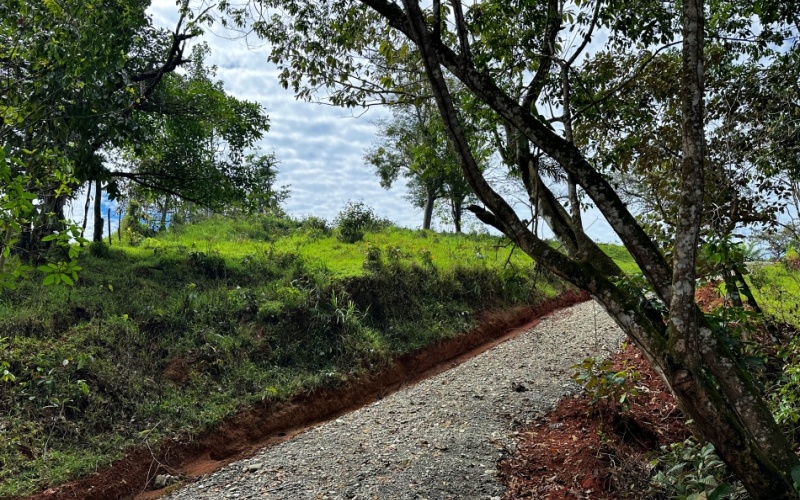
<point>166,336</point>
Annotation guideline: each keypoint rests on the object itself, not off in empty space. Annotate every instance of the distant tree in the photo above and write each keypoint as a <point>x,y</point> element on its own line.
<point>413,145</point>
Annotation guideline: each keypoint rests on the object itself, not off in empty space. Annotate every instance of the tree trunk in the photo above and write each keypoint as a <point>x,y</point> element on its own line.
<point>48,219</point>
<point>574,203</point>
<point>697,366</point>
<point>456,209</point>
<point>430,199</point>
<point>731,288</point>
<point>97,234</point>
<point>744,288</point>
<point>164,208</point>
<point>572,186</point>
<point>86,208</point>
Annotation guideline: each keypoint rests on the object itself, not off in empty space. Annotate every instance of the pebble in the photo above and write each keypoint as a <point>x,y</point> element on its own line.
<point>391,449</point>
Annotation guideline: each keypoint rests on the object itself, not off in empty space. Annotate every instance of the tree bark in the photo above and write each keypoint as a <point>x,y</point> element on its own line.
<point>456,209</point>
<point>86,208</point>
<point>746,291</point>
<point>97,234</point>
<point>430,200</point>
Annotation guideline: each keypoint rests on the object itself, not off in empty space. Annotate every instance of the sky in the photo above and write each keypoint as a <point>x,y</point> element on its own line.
<point>319,148</point>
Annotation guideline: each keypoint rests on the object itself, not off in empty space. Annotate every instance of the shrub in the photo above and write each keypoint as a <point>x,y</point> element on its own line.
<point>603,383</point>
<point>692,470</point>
<point>315,224</point>
<point>355,219</point>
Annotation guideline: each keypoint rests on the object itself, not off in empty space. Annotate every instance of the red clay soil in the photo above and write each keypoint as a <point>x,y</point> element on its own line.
<point>585,451</point>
<point>255,428</point>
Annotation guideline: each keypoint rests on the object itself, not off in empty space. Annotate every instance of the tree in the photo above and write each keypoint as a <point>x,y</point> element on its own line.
<point>194,145</point>
<point>636,135</point>
<point>73,74</point>
<point>413,144</point>
<point>497,48</point>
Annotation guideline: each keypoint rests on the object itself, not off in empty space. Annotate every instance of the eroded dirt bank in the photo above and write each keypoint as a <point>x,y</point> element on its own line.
<point>249,431</point>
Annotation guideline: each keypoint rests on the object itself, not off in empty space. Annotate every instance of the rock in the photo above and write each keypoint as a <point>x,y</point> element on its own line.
<point>253,467</point>
<point>163,480</point>
<point>518,387</point>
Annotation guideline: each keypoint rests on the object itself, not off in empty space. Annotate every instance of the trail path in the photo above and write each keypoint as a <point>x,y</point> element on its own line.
<point>437,439</point>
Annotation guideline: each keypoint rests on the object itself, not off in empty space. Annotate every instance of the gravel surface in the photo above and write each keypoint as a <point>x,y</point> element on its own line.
<point>440,438</point>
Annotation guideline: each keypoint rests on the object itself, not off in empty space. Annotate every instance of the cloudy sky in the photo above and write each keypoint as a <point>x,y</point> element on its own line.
<point>319,148</point>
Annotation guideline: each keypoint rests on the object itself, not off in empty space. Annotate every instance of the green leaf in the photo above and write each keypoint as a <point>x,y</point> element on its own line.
<point>50,279</point>
<point>796,476</point>
<point>720,491</point>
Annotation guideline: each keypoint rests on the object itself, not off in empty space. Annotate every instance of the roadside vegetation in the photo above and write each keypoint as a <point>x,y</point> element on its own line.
<point>622,396</point>
<point>166,335</point>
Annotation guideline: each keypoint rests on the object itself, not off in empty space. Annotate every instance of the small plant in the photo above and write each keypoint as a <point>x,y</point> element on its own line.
<point>374,258</point>
<point>689,470</point>
<point>603,383</point>
<point>426,258</point>
<point>394,253</point>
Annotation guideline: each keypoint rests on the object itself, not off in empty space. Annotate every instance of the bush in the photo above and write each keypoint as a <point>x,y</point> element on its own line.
<point>355,219</point>
<point>313,223</point>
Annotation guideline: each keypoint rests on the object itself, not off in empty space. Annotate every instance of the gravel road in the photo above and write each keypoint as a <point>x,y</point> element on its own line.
<point>438,439</point>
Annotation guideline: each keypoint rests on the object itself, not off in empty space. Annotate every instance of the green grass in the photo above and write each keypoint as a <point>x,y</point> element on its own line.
<point>777,290</point>
<point>166,336</point>
<point>622,257</point>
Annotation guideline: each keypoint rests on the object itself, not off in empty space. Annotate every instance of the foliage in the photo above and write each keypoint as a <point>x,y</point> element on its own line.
<point>605,384</point>
<point>777,287</point>
<point>413,144</point>
<point>354,220</point>
<point>692,471</point>
<point>75,73</point>
<point>196,153</point>
<point>792,259</point>
<point>16,213</point>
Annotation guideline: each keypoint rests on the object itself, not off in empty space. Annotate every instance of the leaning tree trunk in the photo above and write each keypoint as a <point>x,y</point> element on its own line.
<point>731,287</point>
<point>697,366</point>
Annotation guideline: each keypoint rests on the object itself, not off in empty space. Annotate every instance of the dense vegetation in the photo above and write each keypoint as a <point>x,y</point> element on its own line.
<point>167,335</point>
<point>682,150</point>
